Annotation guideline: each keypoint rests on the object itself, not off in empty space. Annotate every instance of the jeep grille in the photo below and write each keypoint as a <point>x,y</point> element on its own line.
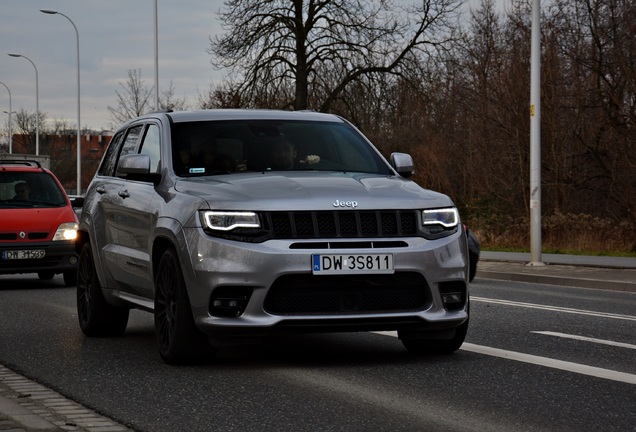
<point>343,224</point>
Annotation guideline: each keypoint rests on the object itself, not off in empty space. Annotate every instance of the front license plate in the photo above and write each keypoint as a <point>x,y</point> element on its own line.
<point>23,254</point>
<point>347,264</point>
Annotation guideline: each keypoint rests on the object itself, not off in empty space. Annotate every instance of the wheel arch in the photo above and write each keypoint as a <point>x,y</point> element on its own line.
<point>169,234</point>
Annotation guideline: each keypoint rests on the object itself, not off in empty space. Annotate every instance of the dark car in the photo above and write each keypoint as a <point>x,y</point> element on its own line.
<point>229,225</point>
<point>38,226</point>
<point>473,253</point>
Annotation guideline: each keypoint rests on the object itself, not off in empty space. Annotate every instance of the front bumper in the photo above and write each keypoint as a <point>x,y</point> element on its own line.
<point>273,287</point>
<point>59,256</point>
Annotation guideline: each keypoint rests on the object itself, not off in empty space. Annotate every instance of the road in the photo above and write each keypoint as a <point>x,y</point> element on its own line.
<point>537,358</point>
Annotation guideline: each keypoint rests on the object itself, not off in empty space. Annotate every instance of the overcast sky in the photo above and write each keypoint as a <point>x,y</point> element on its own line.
<point>115,37</point>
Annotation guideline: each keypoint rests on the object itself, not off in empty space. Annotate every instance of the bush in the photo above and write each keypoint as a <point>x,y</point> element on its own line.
<point>565,233</point>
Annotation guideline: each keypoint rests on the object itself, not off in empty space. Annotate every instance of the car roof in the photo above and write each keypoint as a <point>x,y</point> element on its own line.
<point>243,114</point>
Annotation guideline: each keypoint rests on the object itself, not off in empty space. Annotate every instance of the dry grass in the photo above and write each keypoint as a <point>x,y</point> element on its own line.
<point>561,233</point>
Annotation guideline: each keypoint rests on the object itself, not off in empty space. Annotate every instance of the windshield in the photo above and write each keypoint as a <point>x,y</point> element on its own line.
<point>29,189</point>
<point>219,147</point>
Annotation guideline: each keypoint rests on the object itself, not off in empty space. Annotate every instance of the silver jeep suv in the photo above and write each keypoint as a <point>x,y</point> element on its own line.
<point>235,224</point>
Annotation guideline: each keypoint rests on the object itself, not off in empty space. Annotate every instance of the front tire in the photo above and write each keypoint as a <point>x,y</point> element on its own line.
<point>97,318</point>
<point>46,275</point>
<point>70,277</point>
<point>472,266</point>
<point>178,338</point>
<point>420,344</point>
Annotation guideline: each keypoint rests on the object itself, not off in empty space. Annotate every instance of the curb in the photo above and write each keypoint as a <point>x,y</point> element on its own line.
<point>18,416</point>
<point>28,406</point>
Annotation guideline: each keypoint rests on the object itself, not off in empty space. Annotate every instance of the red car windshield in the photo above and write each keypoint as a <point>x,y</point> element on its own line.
<point>20,189</point>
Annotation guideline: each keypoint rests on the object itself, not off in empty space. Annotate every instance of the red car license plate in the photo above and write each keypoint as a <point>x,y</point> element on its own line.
<point>23,254</point>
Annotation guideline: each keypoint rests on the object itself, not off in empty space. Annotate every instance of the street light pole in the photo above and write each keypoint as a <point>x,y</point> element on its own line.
<point>37,105</point>
<point>535,136</point>
<point>79,130</point>
<point>10,113</point>
<point>156,58</point>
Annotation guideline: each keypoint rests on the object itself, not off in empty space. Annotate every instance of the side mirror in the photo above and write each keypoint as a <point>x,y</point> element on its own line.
<point>403,164</point>
<point>134,164</point>
<point>137,167</point>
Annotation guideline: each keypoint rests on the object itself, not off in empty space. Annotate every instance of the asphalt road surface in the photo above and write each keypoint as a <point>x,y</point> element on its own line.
<point>537,358</point>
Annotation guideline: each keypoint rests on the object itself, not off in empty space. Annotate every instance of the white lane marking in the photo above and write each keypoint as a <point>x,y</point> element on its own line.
<point>586,339</point>
<point>552,363</point>
<point>544,361</point>
<point>553,308</point>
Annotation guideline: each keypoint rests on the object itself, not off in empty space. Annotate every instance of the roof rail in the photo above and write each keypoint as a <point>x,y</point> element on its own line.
<point>26,162</point>
<point>159,111</point>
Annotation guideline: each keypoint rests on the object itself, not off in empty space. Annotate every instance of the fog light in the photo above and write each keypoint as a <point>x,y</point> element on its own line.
<point>453,295</point>
<point>73,260</point>
<point>229,302</point>
<point>452,298</point>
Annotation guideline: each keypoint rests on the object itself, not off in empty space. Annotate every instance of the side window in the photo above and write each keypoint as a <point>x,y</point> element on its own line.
<point>107,167</point>
<point>130,142</point>
<point>151,146</point>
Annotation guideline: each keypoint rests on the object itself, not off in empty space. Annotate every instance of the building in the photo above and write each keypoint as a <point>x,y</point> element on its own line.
<point>62,150</point>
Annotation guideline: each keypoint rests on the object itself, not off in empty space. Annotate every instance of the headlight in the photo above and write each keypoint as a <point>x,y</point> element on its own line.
<point>66,231</point>
<point>229,220</point>
<point>446,217</point>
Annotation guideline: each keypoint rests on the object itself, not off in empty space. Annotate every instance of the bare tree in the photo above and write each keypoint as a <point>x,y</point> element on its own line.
<point>168,101</point>
<point>133,100</point>
<point>24,124</point>
<point>224,95</point>
<point>290,51</point>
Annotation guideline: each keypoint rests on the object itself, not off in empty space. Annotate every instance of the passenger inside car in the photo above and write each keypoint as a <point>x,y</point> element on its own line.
<point>213,161</point>
<point>283,155</point>
<point>22,191</point>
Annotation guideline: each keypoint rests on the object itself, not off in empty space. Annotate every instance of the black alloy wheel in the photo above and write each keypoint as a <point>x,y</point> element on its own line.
<point>96,316</point>
<point>70,277</point>
<point>419,345</point>
<point>46,275</point>
<point>178,338</point>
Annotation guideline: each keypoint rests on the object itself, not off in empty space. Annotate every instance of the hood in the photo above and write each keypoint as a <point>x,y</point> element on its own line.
<point>313,190</point>
<point>32,220</point>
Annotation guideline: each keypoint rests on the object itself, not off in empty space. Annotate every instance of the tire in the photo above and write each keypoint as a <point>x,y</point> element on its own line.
<point>472,266</point>
<point>474,249</point>
<point>436,346</point>
<point>416,344</point>
<point>96,317</point>
<point>70,277</point>
<point>178,338</point>
<point>46,275</point>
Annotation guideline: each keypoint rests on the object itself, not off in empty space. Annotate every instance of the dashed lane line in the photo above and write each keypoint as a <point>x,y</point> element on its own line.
<point>586,339</point>
<point>553,308</point>
<point>544,361</point>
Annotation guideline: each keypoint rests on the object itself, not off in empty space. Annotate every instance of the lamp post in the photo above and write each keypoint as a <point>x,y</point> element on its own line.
<point>156,57</point>
<point>79,131</point>
<point>535,136</point>
<point>37,105</point>
<point>10,113</point>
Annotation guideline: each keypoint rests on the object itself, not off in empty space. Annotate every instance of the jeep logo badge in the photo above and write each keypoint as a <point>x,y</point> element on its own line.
<point>351,204</point>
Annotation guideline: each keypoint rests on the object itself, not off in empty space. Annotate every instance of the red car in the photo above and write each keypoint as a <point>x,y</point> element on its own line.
<point>38,225</point>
